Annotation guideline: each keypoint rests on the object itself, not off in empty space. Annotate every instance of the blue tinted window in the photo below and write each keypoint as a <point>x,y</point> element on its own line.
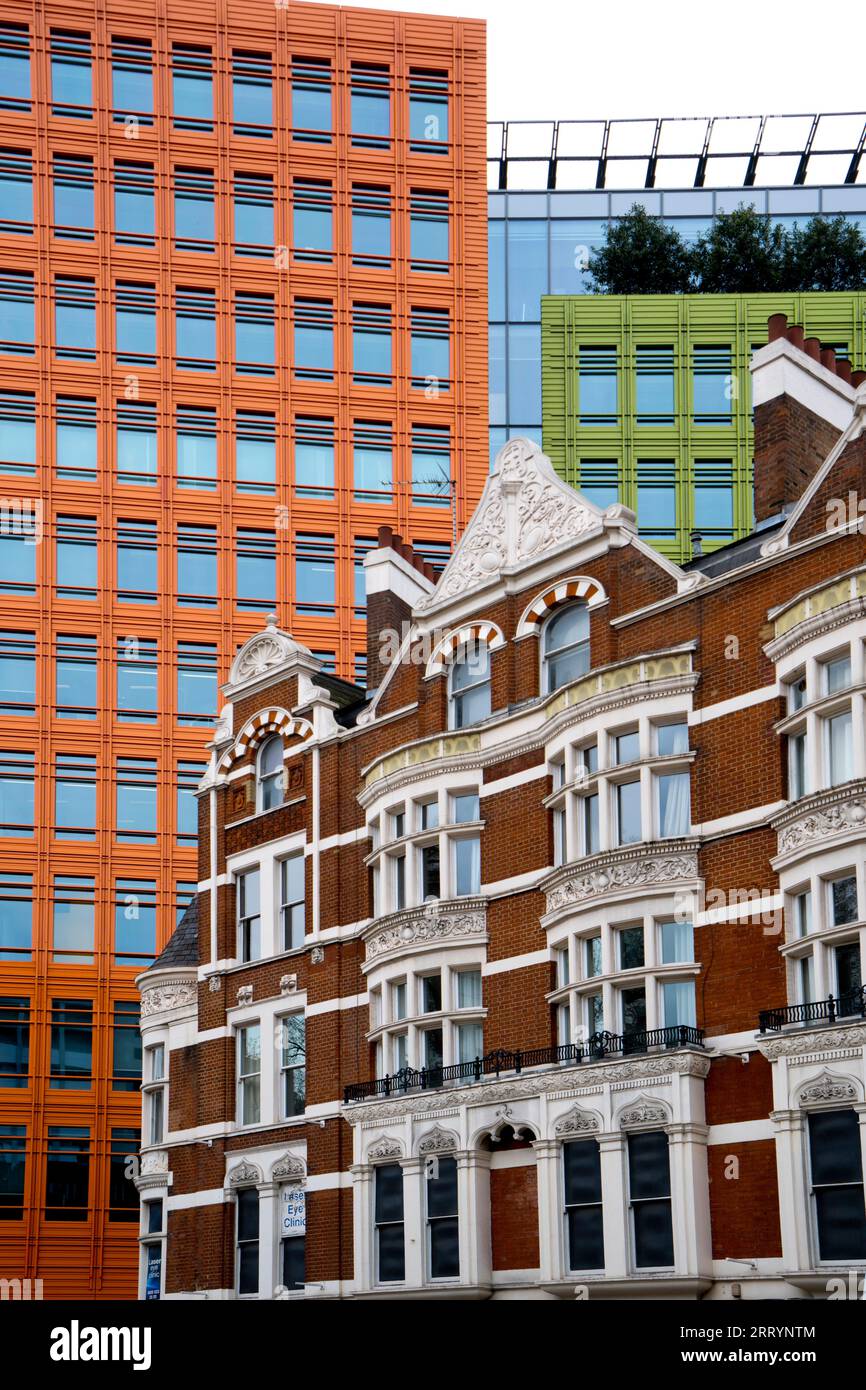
<point>524,375</point>
<point>136,443</point>
<point>134,218</point>
<point>75,318</point>
<point>195,329</point>
<point>370,105</point>
<point>196,446</point>
<point>136,800</point>
<point>136,561</point>
<point>16,793</point>
<point>598,386</point>
<point>373,461</point>
<point>132,78</point>
<point>134,921</point>
<point>75,677</point>
<point>371,225</point>
<point>428,111</point>
<point>192,87</point>
<point>254,334</point>
<point>571,245</point>
<point>254,214</point>
<point>656,500</point>
<point>196,682</point>
<point>17,312</point>
<point>135,324</point>
<point>252,96</point>
<point>16,191</point>
<point>256,569</point>
<point>196,565</point>
<point>527,270</point>
<point>431,350</point>
<point>136,680</point>
<point>18,433</point>
<point>255,452</point>
<point>75,796</point>
<point>496,270</point>
<point>497,380</point>
<point>71,87</point>
<point>371,344</point>
<point>16,936</point>
<point>428,232</point>
<point>311,99</point>
<point>14,67</point>
<point>314,339</point>
<point>194,210</point>
<point>314,457</point>
<point>655,385</point>
<point>315,574</point>
<point>431,466</point>
<point>713,386</point>
<point>76,557</point>
<point>313,220</point>
<point>17,672</point>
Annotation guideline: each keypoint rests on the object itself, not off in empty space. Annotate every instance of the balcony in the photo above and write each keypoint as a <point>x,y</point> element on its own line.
<point>829,1010</point>
<point>597,1048</point>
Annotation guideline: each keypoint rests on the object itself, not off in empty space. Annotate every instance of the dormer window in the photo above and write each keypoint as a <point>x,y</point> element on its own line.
<point>469,696</point>
<point>270,774</point>
<point>565,646</point>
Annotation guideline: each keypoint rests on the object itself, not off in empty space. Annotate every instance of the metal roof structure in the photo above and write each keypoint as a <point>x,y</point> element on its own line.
<point>678,152</point>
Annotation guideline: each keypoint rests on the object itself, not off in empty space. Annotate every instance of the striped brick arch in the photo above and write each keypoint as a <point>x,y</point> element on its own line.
<point>260,727</point>
<point>577,587</point>
<point>446,650</point>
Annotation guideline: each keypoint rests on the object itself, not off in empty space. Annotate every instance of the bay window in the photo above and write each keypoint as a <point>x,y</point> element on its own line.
<point>389,1227</point>
<point>581,1166</point>
<point>836,1164</point>
<point>443,1246</point>
<point>649,1190</point>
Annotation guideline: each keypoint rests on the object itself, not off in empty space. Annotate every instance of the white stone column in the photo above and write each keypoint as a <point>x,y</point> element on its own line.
<point>614,1212</point>
<point>790,1128</point>
<point>473,1198</point>
<point>690,1198</point>
<point>414,1233</point>
<point>269,1239</point>
<point>362,1225</point>
<point>550,1255</point>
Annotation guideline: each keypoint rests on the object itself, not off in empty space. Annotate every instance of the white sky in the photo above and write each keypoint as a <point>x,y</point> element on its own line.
<point>565,59</point>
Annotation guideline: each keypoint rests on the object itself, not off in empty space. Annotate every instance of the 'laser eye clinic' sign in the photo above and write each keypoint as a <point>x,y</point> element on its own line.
<point>293,1212</point>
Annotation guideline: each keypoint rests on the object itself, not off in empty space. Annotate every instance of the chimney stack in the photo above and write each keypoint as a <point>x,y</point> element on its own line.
<point>803,399</point>
<point>397,579</point>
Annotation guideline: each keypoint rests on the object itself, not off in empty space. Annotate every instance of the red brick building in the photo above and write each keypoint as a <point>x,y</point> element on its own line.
<point>539,971</point>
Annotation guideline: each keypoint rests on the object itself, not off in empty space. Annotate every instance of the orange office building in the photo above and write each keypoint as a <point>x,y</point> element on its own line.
<point>243,322</point>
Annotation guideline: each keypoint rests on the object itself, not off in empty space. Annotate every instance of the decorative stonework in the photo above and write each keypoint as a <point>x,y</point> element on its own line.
<point>488,634</point>
<point>386,1147</point>
<point>563,1081</point>
<point>437,1141</point>
<point>288,984</point>
<point>263,651</point>
<point>828,1088</point>
<point>289,1169</point>
<point>245,994</point>
<point>262,726</point>
<point>525,511</point>
<point>575,1121</point>
<point>827,814</point>
<point>812,1041</point>
<point>317,955</point>
<point>612,873</point>
<point>215,984</point>
<point>578,586</point>
<point>643,1112</point>
<point>244,1175</point>
<point>172,994</point>
<point>432,925</point>
<point>153,1170</point>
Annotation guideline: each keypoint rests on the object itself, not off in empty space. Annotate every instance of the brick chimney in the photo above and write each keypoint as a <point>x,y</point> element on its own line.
<point>397,579</point>
<point>803,400</point>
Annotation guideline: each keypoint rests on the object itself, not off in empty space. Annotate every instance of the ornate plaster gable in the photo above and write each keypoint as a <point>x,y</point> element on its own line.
<point>525,510</point>
<point>264,653</point>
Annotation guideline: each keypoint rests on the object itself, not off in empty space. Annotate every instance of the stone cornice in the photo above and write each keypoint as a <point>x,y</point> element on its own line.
<point>164,991</point>
<point>820,819</point>
<point>810,1042</point>
<point>564,1081</point>
<point>618,872</point>
<point>465,750</point>
<point>462,922</point>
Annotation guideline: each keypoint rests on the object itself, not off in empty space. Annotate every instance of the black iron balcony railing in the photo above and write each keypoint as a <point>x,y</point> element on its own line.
<point>595,1049</point>
<point>852,1004</point>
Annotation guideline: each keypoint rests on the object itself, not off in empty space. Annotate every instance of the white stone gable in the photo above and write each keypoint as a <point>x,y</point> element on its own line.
<point>525,510</point>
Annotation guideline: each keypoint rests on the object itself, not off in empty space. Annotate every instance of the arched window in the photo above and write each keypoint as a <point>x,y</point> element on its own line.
<point>565,646</point>
<point>271,773</point>
<point>470,685</point>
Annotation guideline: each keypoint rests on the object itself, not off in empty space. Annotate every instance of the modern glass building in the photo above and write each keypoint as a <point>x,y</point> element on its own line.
<point>647,400</point>
<point>554,186</point>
